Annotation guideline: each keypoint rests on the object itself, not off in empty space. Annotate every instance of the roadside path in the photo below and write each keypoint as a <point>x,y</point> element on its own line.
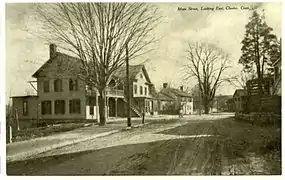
<point>29,148</point>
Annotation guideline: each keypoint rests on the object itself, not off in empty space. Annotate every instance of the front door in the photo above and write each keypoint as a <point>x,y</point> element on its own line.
<point>112,107</point>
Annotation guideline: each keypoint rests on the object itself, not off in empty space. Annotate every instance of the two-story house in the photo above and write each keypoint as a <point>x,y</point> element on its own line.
<point>63,96</point>
<point>142,95</point>
<point>182,99</point>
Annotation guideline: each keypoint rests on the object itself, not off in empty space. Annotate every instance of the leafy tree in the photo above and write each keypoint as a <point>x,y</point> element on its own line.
<point>259,48</point>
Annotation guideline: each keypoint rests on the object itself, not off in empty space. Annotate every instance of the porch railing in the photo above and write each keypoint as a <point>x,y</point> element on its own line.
<point>115,92</point>
<point>110,92</point>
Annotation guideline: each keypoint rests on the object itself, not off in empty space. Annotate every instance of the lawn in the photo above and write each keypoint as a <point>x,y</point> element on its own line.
<point>30,133</point>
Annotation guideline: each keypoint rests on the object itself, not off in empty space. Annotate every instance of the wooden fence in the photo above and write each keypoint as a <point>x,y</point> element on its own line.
<point>260,118</point>
<point>264,104</point>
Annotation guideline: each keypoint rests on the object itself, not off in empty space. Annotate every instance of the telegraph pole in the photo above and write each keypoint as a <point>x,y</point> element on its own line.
<point>128,87</point>
<point>199,101</point>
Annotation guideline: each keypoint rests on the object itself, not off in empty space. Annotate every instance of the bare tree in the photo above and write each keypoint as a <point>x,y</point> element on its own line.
<point>241,80</point>
<point>207,63</point>
<point>98,34</point>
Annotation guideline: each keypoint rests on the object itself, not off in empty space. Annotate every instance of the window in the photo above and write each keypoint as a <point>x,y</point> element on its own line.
<point>141,90</point>
<point>74,106</point>
<point>73,85</point>
<point>91,110</point>
<point>120,86</point>
<point>59,107</point>
<point>135,89</point>
<point>46,107</point>
<point>91,102</point>
<point>141,75</point>
<point>147,106</point>
<point>46,86</point>
<point>145,90</point>
<point>25,108</point>
<point>58,85</point>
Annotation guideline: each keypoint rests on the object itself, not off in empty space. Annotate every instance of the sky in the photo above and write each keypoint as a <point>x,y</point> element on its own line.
<point>25,52</point>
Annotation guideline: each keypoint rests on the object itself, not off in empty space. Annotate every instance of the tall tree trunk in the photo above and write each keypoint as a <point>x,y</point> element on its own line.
<point>260,88</point>
<point>258,64</point>
<point>206,105</point>
<point>206,108</point>
<point>260,78</point>
<point>102,108</point>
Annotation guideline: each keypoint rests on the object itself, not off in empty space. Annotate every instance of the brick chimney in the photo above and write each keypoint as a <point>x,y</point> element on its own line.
<point>181,88</point>
<point>165,85</point>
<point>52,50</point>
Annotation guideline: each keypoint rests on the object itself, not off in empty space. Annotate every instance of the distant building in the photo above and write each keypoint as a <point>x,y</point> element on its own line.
<point>219,103</point>
<point>166,104</point>
<point>63,96</point>
<point>240,100</point>
<point>230,105</point>
<point>251,100</point>
<point>182,99</point>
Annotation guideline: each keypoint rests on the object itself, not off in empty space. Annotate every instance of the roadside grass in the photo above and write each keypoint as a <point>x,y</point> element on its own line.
<point>239,140</point>
<point>242,140</point>
<point>245,138</point>
<point>31,133</point>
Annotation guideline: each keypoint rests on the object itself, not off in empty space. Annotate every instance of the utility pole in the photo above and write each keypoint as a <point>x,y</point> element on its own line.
<point>128,87</point>
<point>199,101</point>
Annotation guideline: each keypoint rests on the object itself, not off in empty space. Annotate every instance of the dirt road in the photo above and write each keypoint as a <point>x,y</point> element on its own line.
<point>196,147</point>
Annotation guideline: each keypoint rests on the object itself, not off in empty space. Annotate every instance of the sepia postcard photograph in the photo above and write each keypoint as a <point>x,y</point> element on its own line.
<point>142,88</point>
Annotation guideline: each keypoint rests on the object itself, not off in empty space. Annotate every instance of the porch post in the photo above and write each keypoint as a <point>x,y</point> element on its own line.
<point>144,105</point>
<point>116,107</point>
<point>107,108</point>
<point>97,106</point>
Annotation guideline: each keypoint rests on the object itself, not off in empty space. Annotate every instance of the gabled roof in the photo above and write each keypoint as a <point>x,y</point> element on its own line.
<point>48,62</point>
<point>240,92</point>
<point>119,73</point>
<point>230,100</point>
<point>164,97</point>
<point>133,70</point>
<point>175,92</point>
